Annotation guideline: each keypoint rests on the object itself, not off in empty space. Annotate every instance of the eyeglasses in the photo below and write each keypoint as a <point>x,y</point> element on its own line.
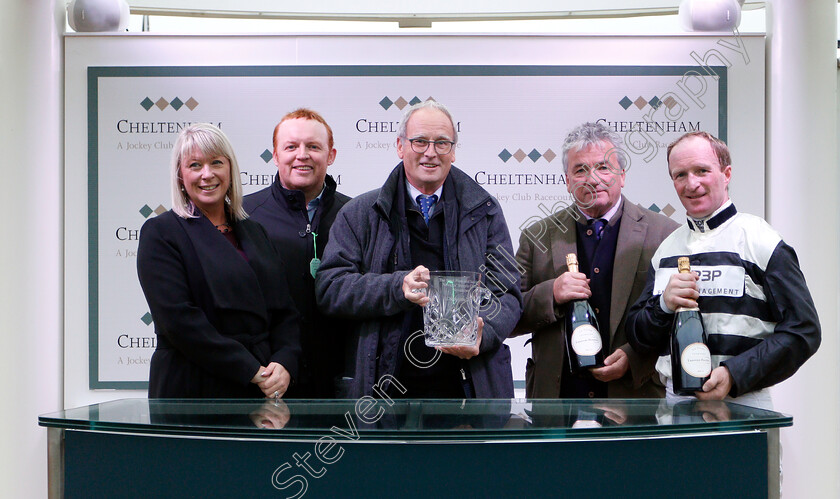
<point>421,145</point>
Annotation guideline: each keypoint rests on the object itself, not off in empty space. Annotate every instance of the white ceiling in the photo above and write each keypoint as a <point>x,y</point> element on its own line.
<point>410,14</point>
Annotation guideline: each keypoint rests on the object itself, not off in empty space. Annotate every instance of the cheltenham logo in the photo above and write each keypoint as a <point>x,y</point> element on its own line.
<point>520,155</point>
<point>667,210</point>
<point>162,103</point>
<point>400,103</point>
<point>146,211</point>
<point>640,102</point>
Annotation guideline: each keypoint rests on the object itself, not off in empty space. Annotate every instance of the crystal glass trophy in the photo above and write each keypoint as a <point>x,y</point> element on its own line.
<point>451,316</point>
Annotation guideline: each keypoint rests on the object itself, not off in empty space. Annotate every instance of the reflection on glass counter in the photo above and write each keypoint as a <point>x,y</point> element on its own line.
<point>422,448</point>
<point>385,419</point>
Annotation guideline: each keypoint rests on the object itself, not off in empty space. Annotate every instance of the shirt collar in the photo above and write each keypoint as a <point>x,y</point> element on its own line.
<point>716,219</point>
<point>608,216</point>
<point>312,206</point>
<point>413,192</point>
<point>317,199</point>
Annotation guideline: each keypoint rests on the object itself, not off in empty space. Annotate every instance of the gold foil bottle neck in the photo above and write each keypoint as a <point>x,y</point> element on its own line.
<point>683,265</point>
<point>572,262</point>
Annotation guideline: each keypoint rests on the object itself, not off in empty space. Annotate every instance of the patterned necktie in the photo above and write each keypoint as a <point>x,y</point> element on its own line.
<point>598,226</point>
<point>426,202</point>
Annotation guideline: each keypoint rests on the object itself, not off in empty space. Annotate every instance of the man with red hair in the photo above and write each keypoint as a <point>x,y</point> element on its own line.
<point>297,211</point>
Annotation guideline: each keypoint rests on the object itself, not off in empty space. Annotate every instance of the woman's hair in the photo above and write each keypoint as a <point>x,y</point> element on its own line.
<point>207,140</point>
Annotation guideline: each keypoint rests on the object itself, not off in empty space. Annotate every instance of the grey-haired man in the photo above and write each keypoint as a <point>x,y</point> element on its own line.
<point>614,240</point>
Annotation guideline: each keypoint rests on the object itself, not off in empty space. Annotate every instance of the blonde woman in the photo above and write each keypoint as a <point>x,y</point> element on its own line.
<point>225,323</point>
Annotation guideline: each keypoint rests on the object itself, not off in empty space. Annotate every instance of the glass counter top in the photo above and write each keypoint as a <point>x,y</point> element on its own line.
<point>371,419</point>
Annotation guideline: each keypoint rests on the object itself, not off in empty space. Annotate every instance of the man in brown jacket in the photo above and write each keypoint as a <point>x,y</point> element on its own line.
<point>614,240</point>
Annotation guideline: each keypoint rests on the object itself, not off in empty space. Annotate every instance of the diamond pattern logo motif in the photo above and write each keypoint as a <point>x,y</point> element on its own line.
<point>266,155</point>
<point>401,103</point>
<point>534,155</point>
<point>668,210</point>
<point>146,211</point>
<point>625,102</point>
<point>549,155</point>
<point>147,103</point>
<point>147,318</point>
<point>640,102</point>
<point>162,103</point>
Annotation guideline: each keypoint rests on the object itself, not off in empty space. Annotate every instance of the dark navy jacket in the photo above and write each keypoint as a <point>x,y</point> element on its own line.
<point>369,238</point>
<point>283,214</point>
<point>218,317</point>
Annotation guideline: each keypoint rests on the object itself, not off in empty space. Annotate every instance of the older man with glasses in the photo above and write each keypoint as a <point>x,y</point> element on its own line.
<point>428,216</point>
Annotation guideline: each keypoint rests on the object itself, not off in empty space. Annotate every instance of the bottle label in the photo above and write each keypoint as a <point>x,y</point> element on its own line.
<point>586,340</point>
<point>696,360</point>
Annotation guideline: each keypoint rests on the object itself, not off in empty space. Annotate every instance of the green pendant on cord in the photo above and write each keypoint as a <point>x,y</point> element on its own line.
<point>315,262</point>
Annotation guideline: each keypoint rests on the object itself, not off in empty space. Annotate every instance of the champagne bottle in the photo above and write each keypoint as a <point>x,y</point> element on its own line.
<point>584,347</point>
<point>691,361</point>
